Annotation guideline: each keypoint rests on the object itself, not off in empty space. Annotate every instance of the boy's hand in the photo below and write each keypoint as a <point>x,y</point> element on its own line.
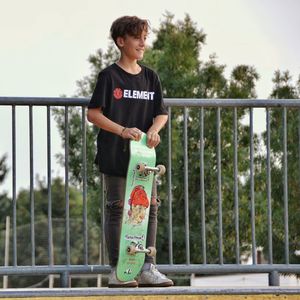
<point>131,133</point>
<point>153,139</point>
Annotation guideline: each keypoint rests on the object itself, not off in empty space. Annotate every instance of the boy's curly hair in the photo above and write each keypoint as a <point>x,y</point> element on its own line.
<point>128,25</point>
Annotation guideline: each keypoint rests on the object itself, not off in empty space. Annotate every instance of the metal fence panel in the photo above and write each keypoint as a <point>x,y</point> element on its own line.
<point>220,105</point>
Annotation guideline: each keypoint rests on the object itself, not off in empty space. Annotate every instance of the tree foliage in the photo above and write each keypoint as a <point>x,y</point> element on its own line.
<point>3,168</point>
<point>23,219</point>
<point>4,199</point>
<point>283,88</point>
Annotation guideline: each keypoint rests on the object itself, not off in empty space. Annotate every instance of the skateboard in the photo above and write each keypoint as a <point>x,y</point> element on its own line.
<point>140,177</point>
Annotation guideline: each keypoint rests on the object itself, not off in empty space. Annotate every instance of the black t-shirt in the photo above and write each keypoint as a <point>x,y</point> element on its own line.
<point>129,100</point>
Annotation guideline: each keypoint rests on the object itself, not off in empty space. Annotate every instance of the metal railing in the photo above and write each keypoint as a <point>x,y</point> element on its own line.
<point>188,266</point>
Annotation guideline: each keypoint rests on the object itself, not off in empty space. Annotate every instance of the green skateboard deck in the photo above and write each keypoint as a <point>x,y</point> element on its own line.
<point>136,210</point>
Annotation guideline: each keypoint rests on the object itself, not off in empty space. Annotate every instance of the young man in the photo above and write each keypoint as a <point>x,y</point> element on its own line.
<point>127,101</point>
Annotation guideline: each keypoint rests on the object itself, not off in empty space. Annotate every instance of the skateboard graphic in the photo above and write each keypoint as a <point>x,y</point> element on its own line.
<point>139,181</point>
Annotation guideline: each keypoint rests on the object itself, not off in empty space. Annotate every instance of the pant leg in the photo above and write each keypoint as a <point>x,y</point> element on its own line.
<point>152,225</point>
<point>115,193</point>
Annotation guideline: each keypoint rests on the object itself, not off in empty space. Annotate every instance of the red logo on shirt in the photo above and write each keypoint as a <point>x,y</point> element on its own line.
<point>118,93</point>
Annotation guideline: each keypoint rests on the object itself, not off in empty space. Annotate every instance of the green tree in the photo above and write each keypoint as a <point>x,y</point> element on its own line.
<point>3,168</point>
<point>4,207</point>
<point>4,199</point>
<point>175,55</point>
<point>97,61</point>
<point>40,195</point>
<point>283,88</point>
<point>176,51</point>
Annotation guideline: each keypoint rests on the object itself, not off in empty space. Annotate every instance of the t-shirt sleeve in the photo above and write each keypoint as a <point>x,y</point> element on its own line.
<point>100,94</point>
<point>159,106</point>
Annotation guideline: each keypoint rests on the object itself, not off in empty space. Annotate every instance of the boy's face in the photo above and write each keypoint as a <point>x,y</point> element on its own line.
<point>133,47</point>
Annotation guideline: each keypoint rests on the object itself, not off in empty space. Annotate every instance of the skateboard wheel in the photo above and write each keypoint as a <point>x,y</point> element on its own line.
<point>152,251</point>
<point>141,167</point>
<point>131,249</point>
<point>161,169</point>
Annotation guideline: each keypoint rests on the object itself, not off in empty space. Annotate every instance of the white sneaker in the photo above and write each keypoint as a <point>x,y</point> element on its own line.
<point>114,282</point>
<point>153,278</point>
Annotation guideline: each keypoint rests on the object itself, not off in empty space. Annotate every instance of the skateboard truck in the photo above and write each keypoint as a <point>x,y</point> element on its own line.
<point>159,169</point>
<point>135,248</point>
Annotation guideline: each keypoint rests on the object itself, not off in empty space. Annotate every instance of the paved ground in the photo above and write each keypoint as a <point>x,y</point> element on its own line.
<point>173,293</point>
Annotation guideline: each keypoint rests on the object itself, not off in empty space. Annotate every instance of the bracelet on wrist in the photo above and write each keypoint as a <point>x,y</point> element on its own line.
<point>123,131</point>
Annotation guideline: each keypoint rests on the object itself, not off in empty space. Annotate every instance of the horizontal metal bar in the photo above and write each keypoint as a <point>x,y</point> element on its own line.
<point>233,102</point>
<point>189,102</point>
<point>55,269</point>
<point>174,269</point>
<point>44,101</point>
<point>214,269</point>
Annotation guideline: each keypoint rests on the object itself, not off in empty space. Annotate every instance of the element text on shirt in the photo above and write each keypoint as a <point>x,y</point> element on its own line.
<point>134,94</point>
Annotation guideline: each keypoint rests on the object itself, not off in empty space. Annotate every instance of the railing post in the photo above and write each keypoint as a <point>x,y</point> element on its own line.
<point>274,278</point>
<point>65,281</point>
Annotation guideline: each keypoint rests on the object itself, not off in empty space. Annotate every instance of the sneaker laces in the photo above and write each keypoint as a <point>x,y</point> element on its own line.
<point>156,272</point>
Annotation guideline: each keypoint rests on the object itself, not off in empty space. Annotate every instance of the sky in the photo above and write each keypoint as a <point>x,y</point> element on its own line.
<point>45,44</point>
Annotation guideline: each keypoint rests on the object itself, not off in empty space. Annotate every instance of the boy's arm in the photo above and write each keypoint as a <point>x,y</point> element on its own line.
<point>153,138</point>
<point>95,116</point>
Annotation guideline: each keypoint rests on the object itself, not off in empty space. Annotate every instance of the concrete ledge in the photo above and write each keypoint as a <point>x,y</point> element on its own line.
<point>180,293</point>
